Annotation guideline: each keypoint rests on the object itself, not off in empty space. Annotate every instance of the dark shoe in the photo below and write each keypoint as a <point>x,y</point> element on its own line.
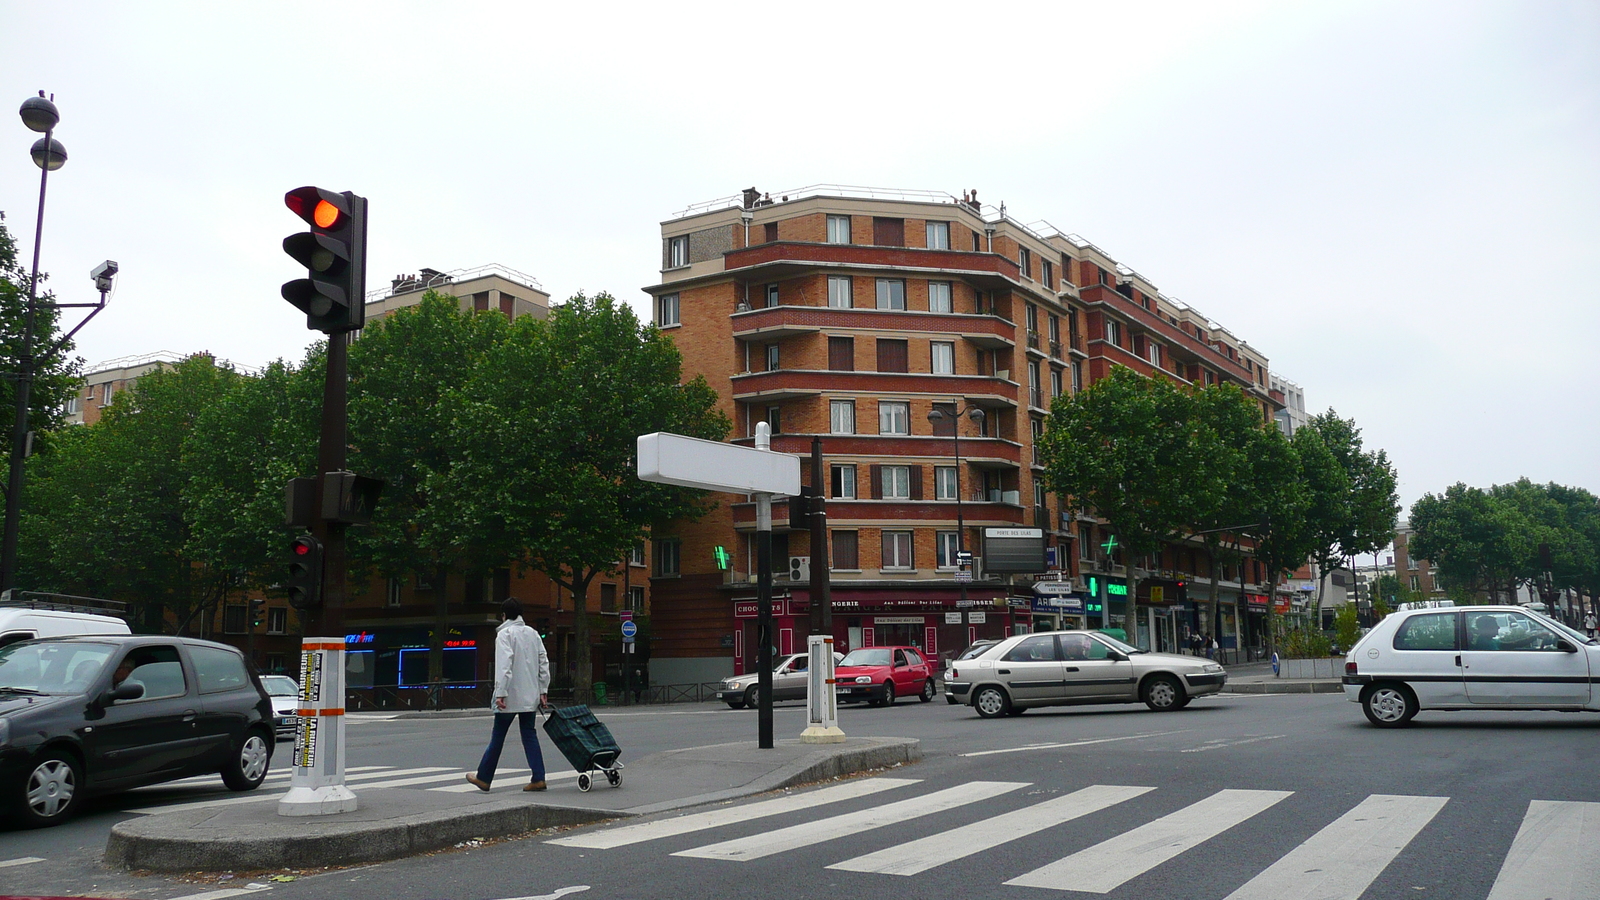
<point>535,786</point>
<point>480,785</point>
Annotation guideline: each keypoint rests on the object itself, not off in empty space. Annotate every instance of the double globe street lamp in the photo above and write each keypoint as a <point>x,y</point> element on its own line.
<point>39,114</point>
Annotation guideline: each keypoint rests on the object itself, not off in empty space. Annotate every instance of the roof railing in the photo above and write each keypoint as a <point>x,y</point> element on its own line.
<point>14,599</point>
<point>431,279</point>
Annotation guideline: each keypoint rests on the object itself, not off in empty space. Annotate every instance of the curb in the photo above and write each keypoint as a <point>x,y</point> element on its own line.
<point>1285,687</point>
<point>317,844</point>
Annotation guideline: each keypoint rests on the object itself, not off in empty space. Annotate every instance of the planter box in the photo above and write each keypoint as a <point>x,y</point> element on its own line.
<point>1329,667</point>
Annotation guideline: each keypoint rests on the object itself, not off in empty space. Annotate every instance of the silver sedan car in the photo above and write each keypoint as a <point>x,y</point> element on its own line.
<point>1063,668</point>
<point>788,682</point>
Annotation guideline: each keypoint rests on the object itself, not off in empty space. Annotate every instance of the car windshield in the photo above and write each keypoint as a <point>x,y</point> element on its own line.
<point>975,650</point>
<point>280,685</point>
<point>867,656</point>
<point>1561,629</point>
<point>1117,645</point>
<point>52,667</point>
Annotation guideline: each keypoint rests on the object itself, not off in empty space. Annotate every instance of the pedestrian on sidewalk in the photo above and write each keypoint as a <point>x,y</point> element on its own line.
<point>521,687</point>
<point>1589,623</point>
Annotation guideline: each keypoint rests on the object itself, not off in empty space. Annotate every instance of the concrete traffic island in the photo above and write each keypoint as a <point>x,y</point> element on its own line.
<point>394,822</point>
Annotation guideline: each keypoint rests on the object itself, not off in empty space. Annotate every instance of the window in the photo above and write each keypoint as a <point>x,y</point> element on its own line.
<point>938,235</point>
<point>636,594</point>
<point>636,554</point>
<point>1416,583</point>
<point>1085,540</point>
<point>946,425</point>
<point>1077,376</point>
<point>977,242</point>
<point>667,310</point>
<point>894,417</point>
<point>1041,648</point>
<point>1055,383</point>
<point>944,482</point>
<point>888,232</point>
<point>772,357</point>
<point>110,389</point>
<point>842,354</point>
<point>1048,272</point>
<point>608,597</point>
<point>946,545</point>
<point>844,482</point>
<point>677,252</point>
<point>1114,332</point>
<point>1433,631</point>
<point>775,418</point>
<point>896,482</point>
<point>667,553</point>
<point>74,405</point>
<point>217,669</point>
<point>838,229</point>
<point>1025,261</point>
<point>159,670</point>
<point>846,551</point>
<point>944,358</point>
<point>772,295</point>
<point>896,550</point>
<point>1155,354</point>
<point>839,291</point>
<point>891,293</point>
<point>939,297</point>
<point>233,619</point>
<point>392,592</point>
<point>771,231</point>
<point>893,355</point>
<point>277,620</point>
<point>842,416</point>
<point>1032,313</point>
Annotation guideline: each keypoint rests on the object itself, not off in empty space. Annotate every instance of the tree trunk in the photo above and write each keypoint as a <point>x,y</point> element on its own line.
<point>1131,624</point>
<point>582,676</point>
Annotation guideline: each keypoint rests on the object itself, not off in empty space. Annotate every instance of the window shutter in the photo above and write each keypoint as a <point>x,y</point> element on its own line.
<point>842,354</point>
<point>893,355</point>
<point>877,482</point>
<point>888,232</point>
<point>916,482</point>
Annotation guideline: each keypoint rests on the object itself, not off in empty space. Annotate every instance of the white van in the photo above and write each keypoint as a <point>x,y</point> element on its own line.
<point>37,615</point>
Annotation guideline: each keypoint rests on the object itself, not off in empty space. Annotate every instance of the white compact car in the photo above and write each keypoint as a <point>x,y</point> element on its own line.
<point>1471,657</point>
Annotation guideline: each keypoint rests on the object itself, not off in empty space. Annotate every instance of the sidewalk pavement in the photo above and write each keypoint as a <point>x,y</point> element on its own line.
<point>393,823</point>
<point>1257,678</point>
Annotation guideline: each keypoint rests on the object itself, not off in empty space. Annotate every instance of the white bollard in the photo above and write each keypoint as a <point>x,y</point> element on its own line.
<point>316,785</point>
<point>822,699</point>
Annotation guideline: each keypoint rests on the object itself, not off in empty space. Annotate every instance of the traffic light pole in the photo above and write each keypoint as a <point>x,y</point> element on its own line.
<point>329,618</point>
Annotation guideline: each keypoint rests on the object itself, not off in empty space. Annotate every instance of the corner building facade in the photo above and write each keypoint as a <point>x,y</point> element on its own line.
<point>852,315</point>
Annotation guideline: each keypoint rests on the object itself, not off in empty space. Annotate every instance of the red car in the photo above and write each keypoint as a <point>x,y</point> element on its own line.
<point>880,674</point>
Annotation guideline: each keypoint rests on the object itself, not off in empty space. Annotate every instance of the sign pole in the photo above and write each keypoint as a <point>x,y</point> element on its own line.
<point>764,597</point>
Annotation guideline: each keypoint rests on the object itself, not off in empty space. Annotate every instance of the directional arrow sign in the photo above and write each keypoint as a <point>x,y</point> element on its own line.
<point>713,466</point>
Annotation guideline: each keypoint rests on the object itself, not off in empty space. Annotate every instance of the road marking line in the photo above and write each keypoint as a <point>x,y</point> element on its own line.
<point>808,833</point>
<point>262,798</point>
<point>225,892</point>
<point>937,849</point>
<point>271,776</point>
<point>623,835</point>
<point>20,861</point>
<point>1110,864</point>
<point>1222,743</point>
<point>1553,854</point>
<point>1341,860</point>
<point>1032,747</point>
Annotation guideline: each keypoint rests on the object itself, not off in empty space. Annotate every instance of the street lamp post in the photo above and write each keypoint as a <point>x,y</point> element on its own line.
<point>937,415</point>
<point>40,115</point>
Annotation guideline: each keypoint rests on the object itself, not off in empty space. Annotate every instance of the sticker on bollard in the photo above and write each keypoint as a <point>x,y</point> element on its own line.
<point>316,781</point>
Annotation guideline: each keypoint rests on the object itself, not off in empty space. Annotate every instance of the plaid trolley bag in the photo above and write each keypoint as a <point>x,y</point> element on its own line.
<point>586,743</point>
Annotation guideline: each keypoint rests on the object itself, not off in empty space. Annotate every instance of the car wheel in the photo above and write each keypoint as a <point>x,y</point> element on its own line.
<point>247,768</point>
<point>991,702</point>
<point>1388,705</point>
<point>888,693</point>
<point>52,791</point>
<point>928,691</point>
<point>752,697</point>
<point>1162,693</point>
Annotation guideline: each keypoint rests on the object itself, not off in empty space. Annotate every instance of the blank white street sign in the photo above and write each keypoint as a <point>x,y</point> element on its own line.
<point>714,466</point>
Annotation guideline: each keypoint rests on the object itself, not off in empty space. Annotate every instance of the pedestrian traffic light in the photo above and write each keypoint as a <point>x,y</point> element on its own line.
<point>305,572</point>
<point>258,611</point>
<point>334,251</point>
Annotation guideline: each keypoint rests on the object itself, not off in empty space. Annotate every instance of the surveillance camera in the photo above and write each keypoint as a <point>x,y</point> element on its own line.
<point>107,269</point>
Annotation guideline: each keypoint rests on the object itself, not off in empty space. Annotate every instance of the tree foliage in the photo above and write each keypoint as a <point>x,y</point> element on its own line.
<point>56,380</point>
<point>1487,541</point>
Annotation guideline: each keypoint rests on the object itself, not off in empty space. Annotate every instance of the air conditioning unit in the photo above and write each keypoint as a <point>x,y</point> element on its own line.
<point>1012,497</point>
<point>799,568</point>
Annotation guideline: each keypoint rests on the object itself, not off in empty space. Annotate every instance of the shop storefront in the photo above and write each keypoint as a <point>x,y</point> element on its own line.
<point>1058,611</point>
<point>398,657</point>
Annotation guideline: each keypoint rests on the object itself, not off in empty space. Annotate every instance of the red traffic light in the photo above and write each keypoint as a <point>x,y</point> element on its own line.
<point>322,209</point>
<point>303,546</point>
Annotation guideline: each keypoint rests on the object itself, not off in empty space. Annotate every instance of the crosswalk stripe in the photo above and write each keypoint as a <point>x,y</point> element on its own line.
<point>256,797</point>
<point>1341,860</point>
<point>274,775</point>
<point>937,849</point>
<point>20,861</point>
<point>1552,856</point>
<point>1107,865</point>
<point>623,835</point>
<point>808,833</point>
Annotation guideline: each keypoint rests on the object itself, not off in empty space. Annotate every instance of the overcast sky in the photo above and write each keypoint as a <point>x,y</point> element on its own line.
<point>1397,202</point>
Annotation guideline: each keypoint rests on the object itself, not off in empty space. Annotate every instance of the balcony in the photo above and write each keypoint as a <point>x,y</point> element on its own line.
<point>1055,349</point>
<point>786,384</point>
<point>784,258</point>
<point>778,322</point>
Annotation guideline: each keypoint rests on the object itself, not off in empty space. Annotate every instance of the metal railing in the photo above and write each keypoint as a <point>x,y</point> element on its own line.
<point>459,695</point>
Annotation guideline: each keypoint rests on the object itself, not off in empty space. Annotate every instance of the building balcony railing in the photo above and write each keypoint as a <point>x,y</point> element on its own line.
<point>777,322</point>
<point>1033,340</point>
<point>1055,349</point>
<point>1176,337</point>
<point>987,270</point>
<point>795,383</point>
<point>1036,398</point>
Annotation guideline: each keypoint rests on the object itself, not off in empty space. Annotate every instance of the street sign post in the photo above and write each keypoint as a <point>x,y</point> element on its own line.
<point>669,458</point>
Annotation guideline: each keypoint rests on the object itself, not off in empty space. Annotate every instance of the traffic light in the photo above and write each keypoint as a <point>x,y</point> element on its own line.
<point>803,506</point>
<point>305,572</point>
<point>1183,590</point>
<point>258,611</point>
<point>334,252</point>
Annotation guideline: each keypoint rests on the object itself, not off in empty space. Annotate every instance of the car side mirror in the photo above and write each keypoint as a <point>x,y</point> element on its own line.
<point>1117,656</point>
<point>128,690</point>
<point>1565,646</point>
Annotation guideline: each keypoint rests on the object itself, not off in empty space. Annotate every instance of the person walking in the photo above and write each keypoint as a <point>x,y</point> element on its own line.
<point>1589,623</point>
<point>521,687</point>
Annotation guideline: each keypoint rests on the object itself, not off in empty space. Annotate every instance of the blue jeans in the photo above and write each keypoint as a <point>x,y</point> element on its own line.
<point>497,742</point>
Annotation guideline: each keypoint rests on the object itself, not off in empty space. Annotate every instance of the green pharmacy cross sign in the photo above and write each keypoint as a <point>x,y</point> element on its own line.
<point>1110,545</point>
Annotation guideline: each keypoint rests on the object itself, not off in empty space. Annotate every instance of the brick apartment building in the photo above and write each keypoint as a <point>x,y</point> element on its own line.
<point>852,315</point>
<point>1420,575</point>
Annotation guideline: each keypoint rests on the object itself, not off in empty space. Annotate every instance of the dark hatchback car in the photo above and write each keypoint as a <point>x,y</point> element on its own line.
<point>92,715</point>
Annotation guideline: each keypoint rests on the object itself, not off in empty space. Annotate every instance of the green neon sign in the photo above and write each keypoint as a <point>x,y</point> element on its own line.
<point>1120,590</point>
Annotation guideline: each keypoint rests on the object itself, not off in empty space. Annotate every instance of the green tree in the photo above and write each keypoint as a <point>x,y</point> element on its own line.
<point>56,380</point>
<point>1478,541</point>
<point>548,426</point>
<point>1134,451</point>
<point>1275,494</point>
<point>1234,419</point>
<point>106,514</point>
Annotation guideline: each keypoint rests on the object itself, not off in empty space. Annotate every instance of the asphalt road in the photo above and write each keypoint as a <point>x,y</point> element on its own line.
<point>1238,793</point>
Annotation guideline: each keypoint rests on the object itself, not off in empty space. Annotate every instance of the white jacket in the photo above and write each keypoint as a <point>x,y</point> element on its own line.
<point>521,667</point>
